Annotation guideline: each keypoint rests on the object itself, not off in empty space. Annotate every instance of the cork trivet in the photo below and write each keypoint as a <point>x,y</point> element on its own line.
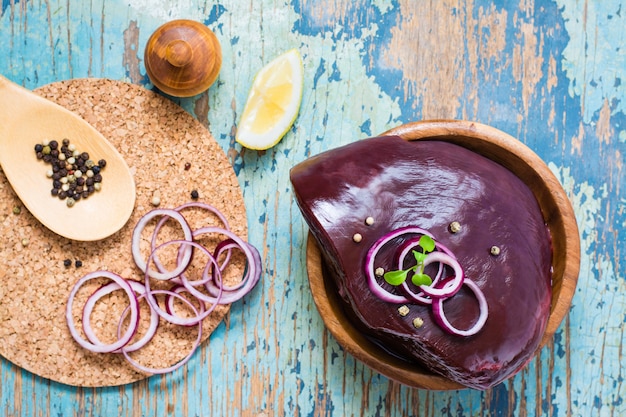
<point>157,138</point>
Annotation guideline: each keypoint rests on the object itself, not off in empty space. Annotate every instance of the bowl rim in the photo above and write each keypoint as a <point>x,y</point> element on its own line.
<point>558,214</point>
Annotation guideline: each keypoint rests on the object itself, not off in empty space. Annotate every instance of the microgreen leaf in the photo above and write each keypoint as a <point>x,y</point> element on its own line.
<point>419,257</point>
<point>427,243</point>
<point>395,277</point>
<point>421,279</point>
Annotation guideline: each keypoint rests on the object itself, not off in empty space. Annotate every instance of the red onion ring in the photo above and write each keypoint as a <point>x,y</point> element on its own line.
<point>207,207</point>
<point>227,245</point>
<point>181,264</point>
<point>370,274</point>
<point>409,244</point>
<point>180,208</point>
<point>251,275</point>
<point>442,320</point>
<point>169,301</point>
<point>207,272</point>
<point>93,299</point>
<point>150,332</point>
<point>417,297</point>
<point>438,291</point>
<point>134,313</point>
<point>219,293</point>
<point>210,273</point>
<point>430,291</point>
<point>172,318</point>
<point>183,361</point>
<point>450,288</point>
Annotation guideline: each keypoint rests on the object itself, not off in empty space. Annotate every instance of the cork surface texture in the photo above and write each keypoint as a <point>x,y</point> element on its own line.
<point>170,154</point>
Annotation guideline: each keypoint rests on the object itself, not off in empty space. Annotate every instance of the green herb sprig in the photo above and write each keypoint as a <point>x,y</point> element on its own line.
<point>427,244</point>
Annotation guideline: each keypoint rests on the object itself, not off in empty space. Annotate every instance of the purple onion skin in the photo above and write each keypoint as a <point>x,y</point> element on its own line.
<point>431,184</point>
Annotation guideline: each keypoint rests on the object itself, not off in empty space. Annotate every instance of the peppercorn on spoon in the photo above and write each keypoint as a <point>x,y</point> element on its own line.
<point>26,120</point>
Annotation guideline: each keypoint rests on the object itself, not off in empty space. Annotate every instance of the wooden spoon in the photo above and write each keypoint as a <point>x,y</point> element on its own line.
<point>27,119</point>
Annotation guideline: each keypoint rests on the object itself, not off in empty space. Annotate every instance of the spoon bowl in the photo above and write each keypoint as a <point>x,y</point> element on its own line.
<point>27,119</point>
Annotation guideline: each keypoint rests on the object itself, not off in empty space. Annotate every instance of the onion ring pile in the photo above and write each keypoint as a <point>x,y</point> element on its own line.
<point>202,295</point>
<point>434,294</point>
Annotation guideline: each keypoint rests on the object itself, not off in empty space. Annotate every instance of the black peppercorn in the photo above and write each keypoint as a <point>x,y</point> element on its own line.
<point>78,263</point>
<point>67,263</point>
<point>194,194</point>
<point>70,171</point>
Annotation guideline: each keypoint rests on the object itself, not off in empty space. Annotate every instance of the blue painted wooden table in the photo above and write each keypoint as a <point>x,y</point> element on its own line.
<point>550,72</point>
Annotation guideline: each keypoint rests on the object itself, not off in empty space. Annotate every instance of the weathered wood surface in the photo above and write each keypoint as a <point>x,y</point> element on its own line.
<point>552,73</point>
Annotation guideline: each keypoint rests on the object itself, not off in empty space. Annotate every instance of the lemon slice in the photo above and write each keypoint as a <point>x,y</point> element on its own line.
<point>273,102</point>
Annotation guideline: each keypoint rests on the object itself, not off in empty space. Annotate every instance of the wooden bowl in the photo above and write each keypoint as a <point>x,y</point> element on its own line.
<point>183,58</point>
<point>558,214</point>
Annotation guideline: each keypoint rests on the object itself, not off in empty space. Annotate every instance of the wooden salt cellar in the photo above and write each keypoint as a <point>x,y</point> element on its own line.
<point>183,58</point>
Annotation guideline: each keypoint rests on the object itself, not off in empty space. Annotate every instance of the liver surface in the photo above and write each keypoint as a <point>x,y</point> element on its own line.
<point>431,184</point>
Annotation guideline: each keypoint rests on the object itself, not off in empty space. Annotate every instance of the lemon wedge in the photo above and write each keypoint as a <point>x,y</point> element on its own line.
<point>273,103</point>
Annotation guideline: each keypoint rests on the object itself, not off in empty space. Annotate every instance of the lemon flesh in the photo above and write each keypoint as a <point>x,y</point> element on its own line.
<point>273,103</point>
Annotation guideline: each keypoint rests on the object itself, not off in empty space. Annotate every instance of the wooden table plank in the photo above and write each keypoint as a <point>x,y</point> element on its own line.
<point>552,73</point>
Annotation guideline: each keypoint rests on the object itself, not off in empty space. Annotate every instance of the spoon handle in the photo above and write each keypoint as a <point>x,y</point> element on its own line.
<point>3,81</point>
<point>13,100</point>
<point>6,86</point>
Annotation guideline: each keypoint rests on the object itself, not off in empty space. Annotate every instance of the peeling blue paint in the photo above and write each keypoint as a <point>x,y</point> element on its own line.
<point>251,346</point>
<point>366,128</point>
<point>215,14</point>
<point>7,4</point>
<point>319,71</point>
<point>499,399</point>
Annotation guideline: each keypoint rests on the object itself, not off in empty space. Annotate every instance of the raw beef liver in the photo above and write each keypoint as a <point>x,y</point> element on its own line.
<point>431,184</point>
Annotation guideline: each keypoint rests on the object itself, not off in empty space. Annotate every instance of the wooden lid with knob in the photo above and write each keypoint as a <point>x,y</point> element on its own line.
<point>183,58</point>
